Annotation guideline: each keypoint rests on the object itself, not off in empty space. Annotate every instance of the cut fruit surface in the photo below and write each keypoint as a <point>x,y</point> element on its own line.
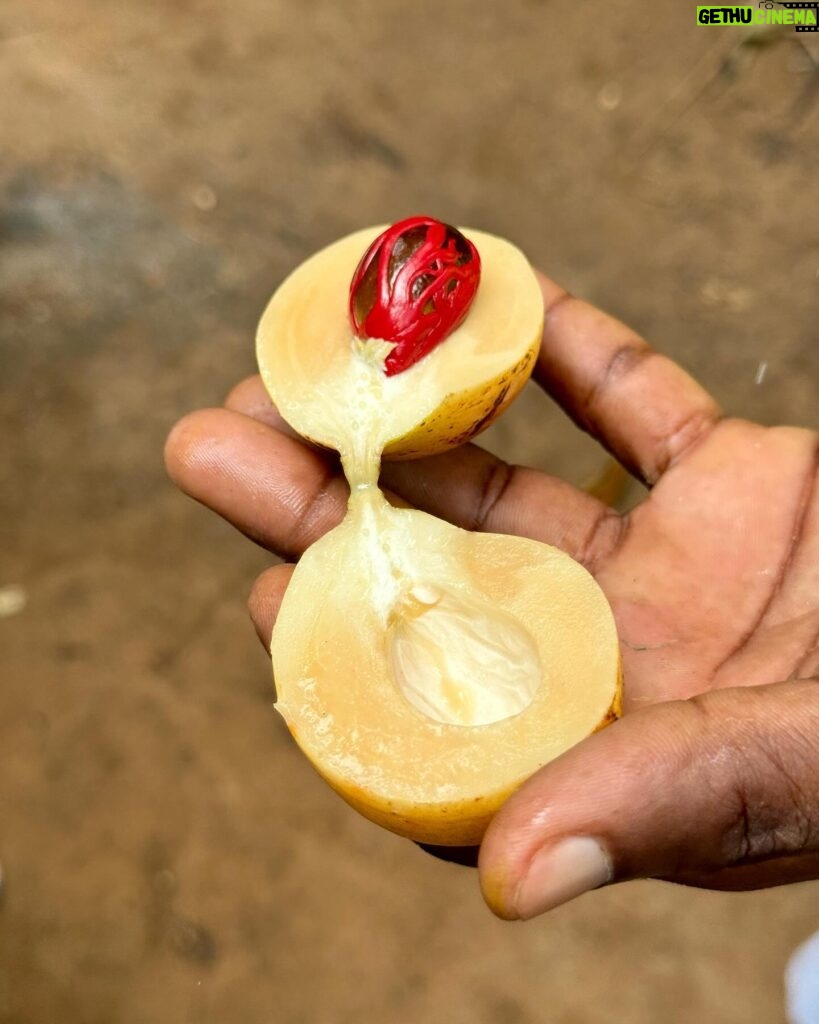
<point>435,762</point>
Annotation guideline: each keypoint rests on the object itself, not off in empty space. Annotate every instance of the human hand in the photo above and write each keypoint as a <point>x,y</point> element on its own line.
<point>712,776</point>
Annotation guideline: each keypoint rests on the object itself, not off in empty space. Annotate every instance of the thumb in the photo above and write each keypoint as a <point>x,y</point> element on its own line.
<point>679,790</point>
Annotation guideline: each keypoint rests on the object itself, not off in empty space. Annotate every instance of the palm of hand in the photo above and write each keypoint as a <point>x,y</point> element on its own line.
<point>713,578</point>
<point>709,582</point>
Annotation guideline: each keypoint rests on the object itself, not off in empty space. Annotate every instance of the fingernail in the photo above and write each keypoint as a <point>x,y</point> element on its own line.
<point>559,873</point>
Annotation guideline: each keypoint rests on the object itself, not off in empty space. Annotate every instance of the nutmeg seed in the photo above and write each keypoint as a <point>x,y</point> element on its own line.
<point>413,287</point>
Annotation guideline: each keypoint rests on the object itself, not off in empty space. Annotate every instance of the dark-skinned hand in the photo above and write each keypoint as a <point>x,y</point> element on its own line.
<point>711,777</point>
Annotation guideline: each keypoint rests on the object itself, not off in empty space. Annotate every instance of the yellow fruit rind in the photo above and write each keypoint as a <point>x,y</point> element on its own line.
<point>452,824</point>
<point>462,415</point>
<point>465,414</point>
<point>455,823</point>
<point>615,710</point>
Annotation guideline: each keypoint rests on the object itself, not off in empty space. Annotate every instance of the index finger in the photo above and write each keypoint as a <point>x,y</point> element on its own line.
<point>641,406</point>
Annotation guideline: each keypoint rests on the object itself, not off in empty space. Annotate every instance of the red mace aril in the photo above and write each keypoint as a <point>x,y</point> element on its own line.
<point>413,287</point>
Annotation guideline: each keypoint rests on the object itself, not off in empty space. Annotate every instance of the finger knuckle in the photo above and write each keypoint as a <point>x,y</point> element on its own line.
<point>775,794</point>
<point>497,479</point>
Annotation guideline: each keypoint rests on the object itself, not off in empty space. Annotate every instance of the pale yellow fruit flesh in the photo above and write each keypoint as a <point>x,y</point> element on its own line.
<point>304,346</point>
<point>424,670</point>
<point>421,777</point>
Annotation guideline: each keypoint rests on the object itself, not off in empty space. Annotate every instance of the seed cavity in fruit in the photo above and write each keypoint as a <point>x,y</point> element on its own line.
<point>461,661</point>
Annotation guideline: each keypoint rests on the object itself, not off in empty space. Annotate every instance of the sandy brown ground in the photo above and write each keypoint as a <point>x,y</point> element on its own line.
<point>168,855</point>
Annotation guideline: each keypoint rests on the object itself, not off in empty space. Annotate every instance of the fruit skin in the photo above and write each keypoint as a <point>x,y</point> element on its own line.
<point>454,823</point>
<point>465,414</point>
<point>615,710</point>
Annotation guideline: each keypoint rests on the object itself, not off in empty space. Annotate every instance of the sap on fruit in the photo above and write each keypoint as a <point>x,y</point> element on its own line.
<point>426,671</point>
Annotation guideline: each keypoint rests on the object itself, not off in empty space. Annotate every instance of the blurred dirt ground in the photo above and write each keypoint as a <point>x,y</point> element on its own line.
<point>168,855</point>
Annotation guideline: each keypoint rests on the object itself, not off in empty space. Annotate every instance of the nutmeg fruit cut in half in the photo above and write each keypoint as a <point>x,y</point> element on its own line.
<point>426,671</point>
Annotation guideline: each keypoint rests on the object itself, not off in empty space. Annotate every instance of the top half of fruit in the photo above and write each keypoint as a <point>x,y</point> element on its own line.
<point>405,340</point>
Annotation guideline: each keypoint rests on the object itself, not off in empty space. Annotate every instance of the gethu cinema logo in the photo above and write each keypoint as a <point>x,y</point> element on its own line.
<point>803,16</point>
